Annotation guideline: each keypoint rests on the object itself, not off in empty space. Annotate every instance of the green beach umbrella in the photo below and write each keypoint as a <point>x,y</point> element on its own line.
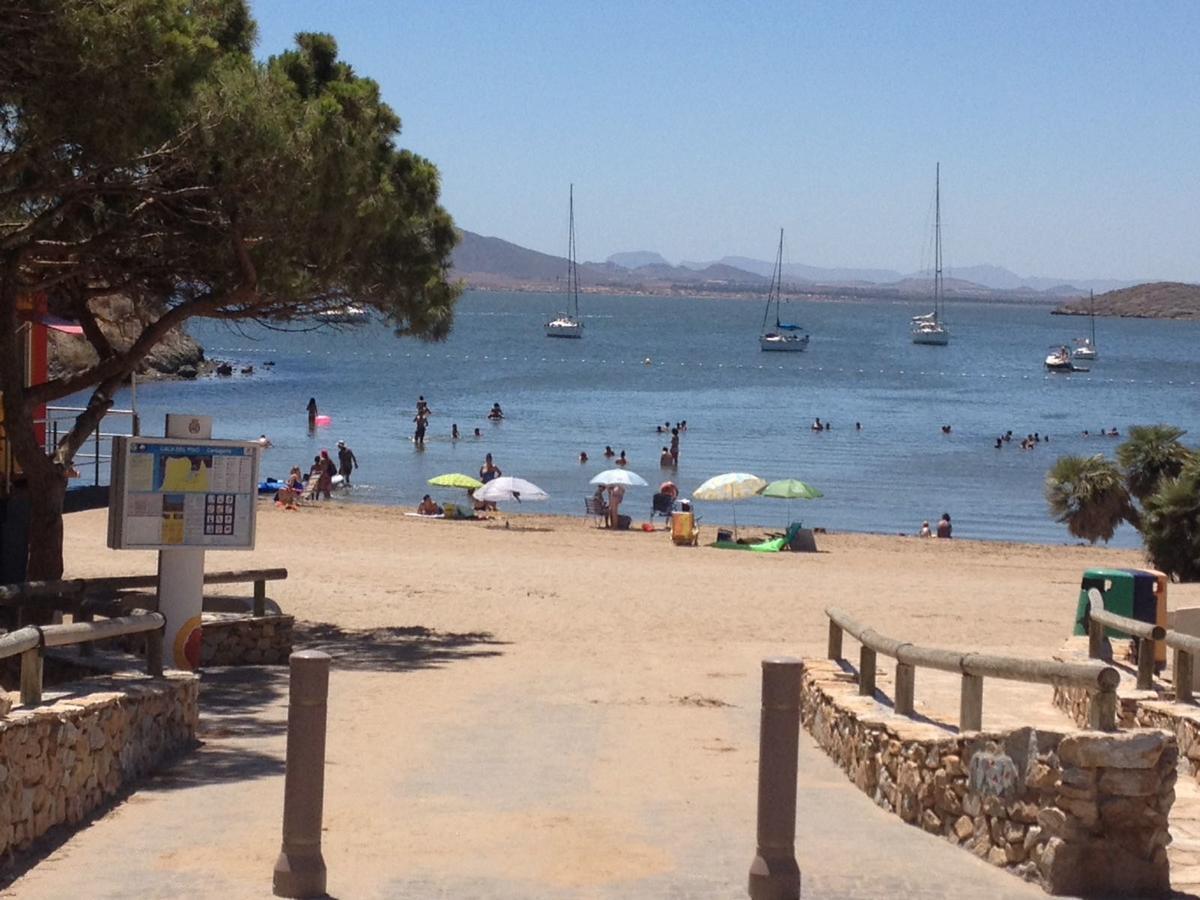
<point>456,480</point>
<point>790,489</point>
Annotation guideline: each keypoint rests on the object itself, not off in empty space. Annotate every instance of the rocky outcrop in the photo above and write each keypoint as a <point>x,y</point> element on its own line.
<point>177,355</point>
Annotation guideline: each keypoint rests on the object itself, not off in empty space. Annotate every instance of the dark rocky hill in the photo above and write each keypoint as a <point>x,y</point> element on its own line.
<point>1156,300</point>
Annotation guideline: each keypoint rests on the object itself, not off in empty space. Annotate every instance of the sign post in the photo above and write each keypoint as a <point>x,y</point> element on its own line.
<point>181,495</point>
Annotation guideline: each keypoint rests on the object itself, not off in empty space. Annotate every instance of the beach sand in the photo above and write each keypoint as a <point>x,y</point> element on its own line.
<point>534,707</point>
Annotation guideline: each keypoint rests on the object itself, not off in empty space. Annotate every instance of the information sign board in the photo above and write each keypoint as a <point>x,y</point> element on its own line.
<point>171,493</point>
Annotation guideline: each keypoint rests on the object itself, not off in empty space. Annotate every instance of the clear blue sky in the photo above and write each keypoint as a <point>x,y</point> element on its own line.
<point>1068,133</point>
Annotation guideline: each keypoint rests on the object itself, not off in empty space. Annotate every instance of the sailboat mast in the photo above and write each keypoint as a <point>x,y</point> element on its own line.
<point>778,277</point>
<point>1092,315</point>
<point>937,240</point>
<point>572,269</point>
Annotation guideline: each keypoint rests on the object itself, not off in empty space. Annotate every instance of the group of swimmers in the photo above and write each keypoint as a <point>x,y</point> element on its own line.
<point>421,421</point>
<point>818,425</point>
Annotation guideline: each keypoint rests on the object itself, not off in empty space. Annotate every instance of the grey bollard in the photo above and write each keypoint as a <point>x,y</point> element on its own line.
<point>774,874</point>
<point>300,869</point>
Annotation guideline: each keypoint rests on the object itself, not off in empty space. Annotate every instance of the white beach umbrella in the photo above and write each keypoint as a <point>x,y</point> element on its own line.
<point>619,476</point>
<point>732,486</point>
<point>506,488</point>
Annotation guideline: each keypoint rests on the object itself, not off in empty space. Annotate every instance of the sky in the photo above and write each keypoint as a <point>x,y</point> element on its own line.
<point>1068,132</point>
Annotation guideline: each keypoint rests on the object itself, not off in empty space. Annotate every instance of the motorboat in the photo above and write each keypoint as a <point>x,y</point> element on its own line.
<point>344,315</point>
<point>1059,360</point>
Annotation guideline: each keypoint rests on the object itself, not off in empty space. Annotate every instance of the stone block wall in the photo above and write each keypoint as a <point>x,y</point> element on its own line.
<point>61,760</point>
<point>232,639</point>
<point>238,640</point>
<point>1082,814</point>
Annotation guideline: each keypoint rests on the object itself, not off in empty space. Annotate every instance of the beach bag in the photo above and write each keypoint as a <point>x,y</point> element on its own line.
<point>623,522</point>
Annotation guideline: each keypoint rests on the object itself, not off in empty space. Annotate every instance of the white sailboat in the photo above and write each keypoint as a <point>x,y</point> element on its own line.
<point>568,324</point>
<point>783,336</point>
<point>930,328</point>
<point>1085,348</point>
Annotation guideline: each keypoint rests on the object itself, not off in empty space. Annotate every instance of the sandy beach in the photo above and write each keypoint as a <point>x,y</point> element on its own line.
<point>531,706</point>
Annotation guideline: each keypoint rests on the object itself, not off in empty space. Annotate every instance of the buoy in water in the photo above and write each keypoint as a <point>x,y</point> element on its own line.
<point>647,361</point>
<point>323,420</point>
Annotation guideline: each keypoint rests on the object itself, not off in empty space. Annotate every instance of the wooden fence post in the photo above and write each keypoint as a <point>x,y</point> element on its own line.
<point>1102,712</point>
<point>1182,672</point>
<point>866,671</point>
<point>970,708</point>
<point>1145,676</point>
<point>835,640</point>
<point>260,598</point>
<point>154,652</point>
<point>86,648</point>
<point>905,688</point>
<point>774,874</point>
<point>1095,639</point>
<point>31,677</point>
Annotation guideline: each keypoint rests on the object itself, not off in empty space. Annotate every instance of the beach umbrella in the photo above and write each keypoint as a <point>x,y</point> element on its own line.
<point>456,480</point>
<point>732,486</point>
<point>619,476</point>
<point>507,488</point>
<point>790,489</point>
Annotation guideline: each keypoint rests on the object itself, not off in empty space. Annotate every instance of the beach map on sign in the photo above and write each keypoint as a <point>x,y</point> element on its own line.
<point>186,494</point>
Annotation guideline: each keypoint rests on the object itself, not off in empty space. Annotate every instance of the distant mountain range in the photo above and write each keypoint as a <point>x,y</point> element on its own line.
<point>490,262</point>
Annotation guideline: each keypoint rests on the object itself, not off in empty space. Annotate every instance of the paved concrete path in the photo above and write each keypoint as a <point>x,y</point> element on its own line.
<point>511,806</point>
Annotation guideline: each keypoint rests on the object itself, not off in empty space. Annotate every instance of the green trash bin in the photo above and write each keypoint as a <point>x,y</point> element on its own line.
<point>1132,593</point>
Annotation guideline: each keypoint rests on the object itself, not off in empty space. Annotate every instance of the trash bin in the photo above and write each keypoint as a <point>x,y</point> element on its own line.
<point>1133,593</point>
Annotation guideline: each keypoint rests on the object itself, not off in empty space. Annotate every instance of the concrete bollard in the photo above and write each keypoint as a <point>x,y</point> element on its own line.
<point>774,874</point>
<point>300,869</point>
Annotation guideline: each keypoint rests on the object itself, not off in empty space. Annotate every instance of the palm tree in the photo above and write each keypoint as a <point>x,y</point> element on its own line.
<point>1088,495</point>
<point>1151,454</point>
<point>1171,524</point>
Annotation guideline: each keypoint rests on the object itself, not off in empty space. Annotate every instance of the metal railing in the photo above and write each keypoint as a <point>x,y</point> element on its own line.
<point>1100,679</point>
<point>30,642</point>
<point>92,454</point>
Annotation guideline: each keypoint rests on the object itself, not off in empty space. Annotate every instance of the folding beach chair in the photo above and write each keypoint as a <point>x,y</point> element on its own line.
<point>596,507</point>
<point>662,505</point>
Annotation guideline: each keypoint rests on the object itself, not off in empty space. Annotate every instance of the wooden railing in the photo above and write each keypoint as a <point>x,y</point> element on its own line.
<point>74,590</point>
<point>1102,680</point>
<point>30,641</point>
<point>1186,646</point>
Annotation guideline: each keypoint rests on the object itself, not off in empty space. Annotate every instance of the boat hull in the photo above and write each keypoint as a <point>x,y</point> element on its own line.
<point>1085,353</point>
<point>935,338</point>
<point>564,328</point>
<point>783,344</point>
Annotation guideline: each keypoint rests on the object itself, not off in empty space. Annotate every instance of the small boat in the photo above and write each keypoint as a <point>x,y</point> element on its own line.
<point>568,324</point>
<point>783,336</point>
<point>344,315</point>
<point>929,328</point>
<point>1085,348</point>
<point>1059,360</point>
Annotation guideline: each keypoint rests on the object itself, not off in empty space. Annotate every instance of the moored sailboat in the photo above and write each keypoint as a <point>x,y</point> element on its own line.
<point>568,324</point>
<point>1085,348</point>
<point>930,328</point>
<point>783,336</point>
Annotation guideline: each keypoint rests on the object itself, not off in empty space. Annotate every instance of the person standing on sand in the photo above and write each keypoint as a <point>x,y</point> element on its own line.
<point>327,471</point>
<point>488,471</point>
<point>944,528</point>
<point>346,462</point>
<point>616,493</point>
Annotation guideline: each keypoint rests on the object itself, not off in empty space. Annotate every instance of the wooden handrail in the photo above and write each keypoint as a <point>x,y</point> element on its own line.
<point>78,587</point>
<point>1132,627</point>
<point>1146,634</point>
<point>973,668</point>
<point>30,641</point>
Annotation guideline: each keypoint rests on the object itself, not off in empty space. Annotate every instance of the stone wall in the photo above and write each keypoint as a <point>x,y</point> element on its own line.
<point>238,640</point>
<point>232,639</point>
<point>1083,813</point>
<point>61,760</point>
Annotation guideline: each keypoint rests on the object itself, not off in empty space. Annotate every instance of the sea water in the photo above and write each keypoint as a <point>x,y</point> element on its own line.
<point>646,361</point>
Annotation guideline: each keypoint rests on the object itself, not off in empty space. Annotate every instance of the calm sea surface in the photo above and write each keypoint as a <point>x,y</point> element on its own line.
<point>746,410</point>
